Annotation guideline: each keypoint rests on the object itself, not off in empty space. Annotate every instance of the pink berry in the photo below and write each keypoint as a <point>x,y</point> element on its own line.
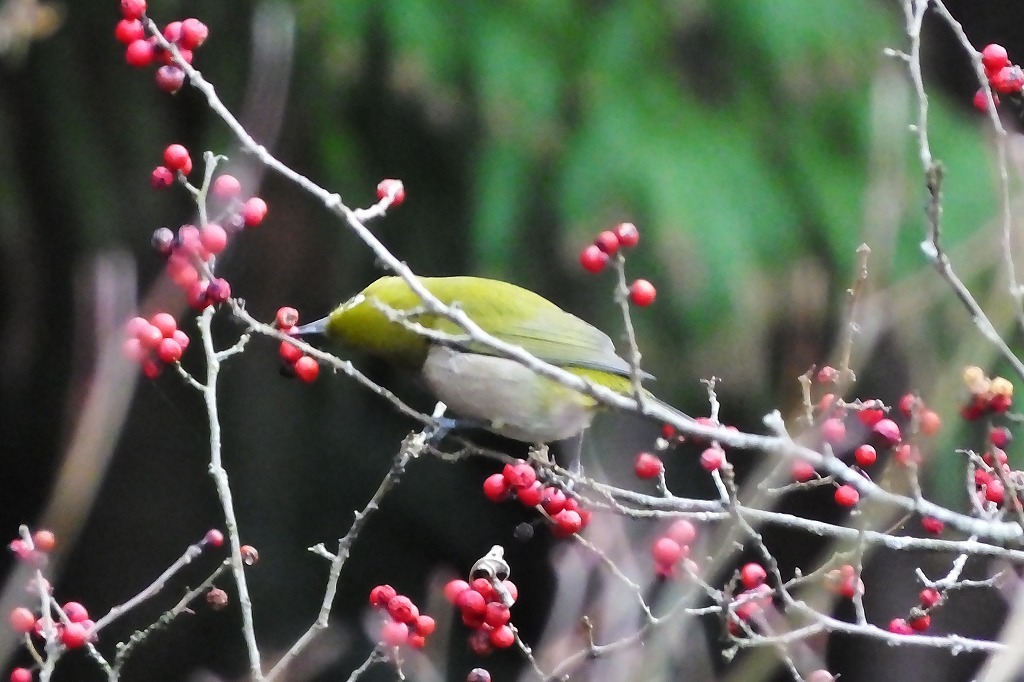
<point>181,338</point>
<point>802,471</point>
<point>214,238</point>
<point>254,210</point>
<point>393,633</point>
<point>168,351</point>
<point>162,177</point>
<point>932,525</point>
<point>478,675</point>
<point>833,430</point>
<point>994,491</point>
<point>74,635</point>
<point>1008,80</point>
<point>44,540</point>
<point>165,322</point>
<point>226,187</point>
<point>847,496</point>
<point>454,588</point>
<point>503,637</point>
<point>402,609</point>
<point>753,575</point>
<point>471,601</point>
<point>214,538</point>
<point>907,404</point>
<point>593,259</point>
<point>424,625</point>
<point>286,317</point>
<point>23,620</point>
<point>139,53</point>
<point>497,614</point>
<point>24,675</point>
<point>307,369</point>
<point>929,597</point>
<point>888,431</point>
<point>393,188</point>
<point>129,30</point>
<point>865,455</point>
<point>712,458</point>
<point>193,33</point>
<point>627,233</point>
<point>75,612</point>
<point>900,626</point>
<point>682,531</point>
<point>667,551</point>
<point>1000,436</point>
<point>642,293</point>
<point>647,465</point>
<point>980,100</point>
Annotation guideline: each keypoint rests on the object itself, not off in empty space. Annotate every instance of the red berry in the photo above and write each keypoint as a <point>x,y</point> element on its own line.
<point>827,375</point>
<point>608,242</point>
<point>870,416</point>
<point>1000,436</point>
<point>865,455</point>
<point>172,32</point>
<point>471,602</point>
<point>929,597</point>
<point>900,626</point>
<point>503,637</point>
<point>381,596</point>
<point>496,488</point>
<point>454,588</point>
<point>181,338</point>
<point>254,210</point>
<point>519,474</point>
<point>712,458</point>
<point>169,351</point>
<point>921,623</point>
<point>193,33</point>
<point>753,575</point>
<point>497,614</point>
<point>907,404</point>
<point>44,540</point>
<point>391,188</point>
<point>176,158</point>
<point>425,625</point>
<point>682,531</point>
<point>568,522</point>
<point>994,491</point>
<point>307,368</point>
<point>666,551</point>
<point>1000,403</point>
<point>170,78</point>
<point>150,337</point>
<point>593,259</point>
<point>249,554</point>
<point>75,612</point>
<point>214,238</point>
<point>25,675</point>
<point>165,322</point>
<point>133,350</point>
<point>802,471</point>
<point>133,9</point>
<point>642,293</point>
<point>833,430</point>
<point>888,431</point>
<point>511,589</point>
<point>74,635</point>
<point>226,187</point>
<point>908,454</point>
<point>480,642</point>
<point>214,538</point>
<point>627,234</point>
<point>23,620</point>
<point>981,100</point>
<point>139,53</point>
<point>847,496</point>
<point>553,501</point>
<point>647,465</point>
<point>289,352</point>
<point>286,317</point>
<point>1008,80</point>
<point>929,422</point>
<point>161,178</point>
<point>402,609</point>
<point>393,633</point>
<point>151,368</point>
<point>531,496</point>
<point>932,525</point>
<point>129,30</point>
<point>994,57</point>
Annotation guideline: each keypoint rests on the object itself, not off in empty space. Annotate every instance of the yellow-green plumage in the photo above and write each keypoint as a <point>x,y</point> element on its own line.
<point>469,377</point>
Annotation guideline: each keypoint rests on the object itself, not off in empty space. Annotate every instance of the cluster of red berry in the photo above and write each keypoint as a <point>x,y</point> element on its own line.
<point>754,596</point>
<point>1004,77</point>
<point>989,395</point>
<point>844,582</point>
<point>403,624</point>
<point>154,343</point>
<point>190,253</point>
<point>672,547</point>
<point>295,362</point>
<point>920,618</point>
<point>140,51</point>
<point>485,609</point>
<point>518,479</point>
<point>595,257</point>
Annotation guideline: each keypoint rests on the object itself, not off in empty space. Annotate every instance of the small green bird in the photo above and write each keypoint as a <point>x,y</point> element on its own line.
<point>501,394</point>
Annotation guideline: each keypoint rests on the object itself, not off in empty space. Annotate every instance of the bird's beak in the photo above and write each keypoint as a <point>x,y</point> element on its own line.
<point>317,327</point>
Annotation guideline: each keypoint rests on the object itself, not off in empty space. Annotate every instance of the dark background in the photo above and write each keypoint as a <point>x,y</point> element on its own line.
<point>754,143</point>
